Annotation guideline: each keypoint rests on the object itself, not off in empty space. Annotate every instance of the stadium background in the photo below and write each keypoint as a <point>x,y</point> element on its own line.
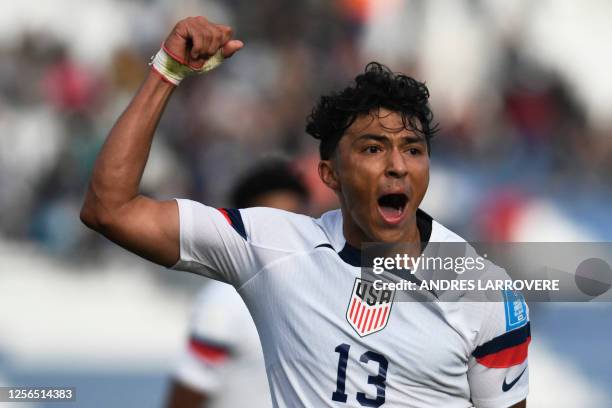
<point>521,90</point>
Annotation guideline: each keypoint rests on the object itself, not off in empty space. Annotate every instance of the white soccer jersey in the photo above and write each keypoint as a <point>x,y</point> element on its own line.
<point>223,357</point>
<point>298,276</point>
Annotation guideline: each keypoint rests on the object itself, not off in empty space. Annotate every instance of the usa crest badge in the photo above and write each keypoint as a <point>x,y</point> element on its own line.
<point>369,308</point>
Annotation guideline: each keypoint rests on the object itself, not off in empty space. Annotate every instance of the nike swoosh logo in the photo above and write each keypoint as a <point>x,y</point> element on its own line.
<point>506,387</point>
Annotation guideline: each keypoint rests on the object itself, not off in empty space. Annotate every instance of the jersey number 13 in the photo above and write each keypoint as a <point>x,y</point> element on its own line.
<point>377,380</point>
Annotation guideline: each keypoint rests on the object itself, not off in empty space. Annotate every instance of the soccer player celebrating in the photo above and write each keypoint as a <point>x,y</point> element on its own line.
<point>326,342</point>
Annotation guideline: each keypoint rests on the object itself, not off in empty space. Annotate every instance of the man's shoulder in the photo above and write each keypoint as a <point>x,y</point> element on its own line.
<point>278,228</point>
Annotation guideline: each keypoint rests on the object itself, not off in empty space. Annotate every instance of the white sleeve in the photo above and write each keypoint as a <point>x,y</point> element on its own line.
<point>232,245</point>
<point>498,372</point>
<point>210,244</point>
<point>214,332</point>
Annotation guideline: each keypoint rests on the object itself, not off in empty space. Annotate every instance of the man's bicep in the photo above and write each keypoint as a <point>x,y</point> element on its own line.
<point>522,404</point>
<point>148,228</point>
<point>190,236</point>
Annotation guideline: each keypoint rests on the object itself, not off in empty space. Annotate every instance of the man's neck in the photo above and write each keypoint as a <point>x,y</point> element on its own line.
<point>356,237</point>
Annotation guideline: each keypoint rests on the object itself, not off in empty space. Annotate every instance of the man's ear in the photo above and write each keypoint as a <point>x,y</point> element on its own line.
<point>328,175</point>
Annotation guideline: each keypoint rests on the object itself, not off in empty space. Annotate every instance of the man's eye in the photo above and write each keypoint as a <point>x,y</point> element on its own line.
<point>372,149</point>
<point>414,151</point>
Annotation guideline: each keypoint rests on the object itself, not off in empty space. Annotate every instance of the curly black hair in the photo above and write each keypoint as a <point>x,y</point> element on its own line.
<point>377,87</point>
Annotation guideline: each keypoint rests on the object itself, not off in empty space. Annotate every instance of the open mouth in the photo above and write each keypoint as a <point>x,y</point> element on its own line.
<point>391,207</point>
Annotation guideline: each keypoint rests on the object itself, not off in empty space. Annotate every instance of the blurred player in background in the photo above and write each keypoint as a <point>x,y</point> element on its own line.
<point>222,365</point>
<point>329,337</point>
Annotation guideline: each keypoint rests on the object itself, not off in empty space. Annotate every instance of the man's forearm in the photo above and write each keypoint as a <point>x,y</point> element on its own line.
<point>119,167</point>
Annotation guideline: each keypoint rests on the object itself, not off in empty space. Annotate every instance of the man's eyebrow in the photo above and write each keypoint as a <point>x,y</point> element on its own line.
<point>372,136</point>
<point>383,138</point>
<point>413,139</point>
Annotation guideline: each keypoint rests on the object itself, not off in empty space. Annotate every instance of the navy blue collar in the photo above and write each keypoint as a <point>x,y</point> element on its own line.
<point>352,255</point>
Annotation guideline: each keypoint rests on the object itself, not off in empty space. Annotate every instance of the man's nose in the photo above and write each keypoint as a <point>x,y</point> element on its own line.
<point>396,165</point>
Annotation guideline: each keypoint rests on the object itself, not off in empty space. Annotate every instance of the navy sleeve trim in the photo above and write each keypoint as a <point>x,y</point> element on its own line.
<point>235,219</point>
<point>505,341</point>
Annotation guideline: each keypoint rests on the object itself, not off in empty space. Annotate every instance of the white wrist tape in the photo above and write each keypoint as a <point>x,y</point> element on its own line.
<point>174,71</point>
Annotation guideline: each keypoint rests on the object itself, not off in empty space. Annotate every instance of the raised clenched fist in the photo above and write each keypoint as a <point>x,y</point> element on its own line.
<point>195,39</point>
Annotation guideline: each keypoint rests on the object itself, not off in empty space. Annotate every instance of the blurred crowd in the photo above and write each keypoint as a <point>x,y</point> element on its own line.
<point>521,120</point>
